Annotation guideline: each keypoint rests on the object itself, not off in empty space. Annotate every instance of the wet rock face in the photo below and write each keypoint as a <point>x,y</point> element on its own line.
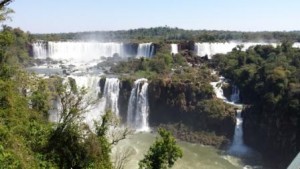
<point>125,91</point>
<point>179,103</point>
<point>275,135</point>
<point>187,45</point>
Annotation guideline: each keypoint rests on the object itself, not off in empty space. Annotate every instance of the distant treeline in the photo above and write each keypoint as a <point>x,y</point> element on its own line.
<point>173,35</point>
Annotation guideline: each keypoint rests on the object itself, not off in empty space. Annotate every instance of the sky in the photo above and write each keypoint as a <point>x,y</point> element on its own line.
<point>54,16</point>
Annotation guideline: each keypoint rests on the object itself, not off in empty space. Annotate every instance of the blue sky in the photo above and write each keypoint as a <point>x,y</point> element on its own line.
<point>52,16</point>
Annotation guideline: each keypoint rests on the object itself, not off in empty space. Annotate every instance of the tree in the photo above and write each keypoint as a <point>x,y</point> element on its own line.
<point>163,153</point>
<point>3,10</point>
<point>72,143</point>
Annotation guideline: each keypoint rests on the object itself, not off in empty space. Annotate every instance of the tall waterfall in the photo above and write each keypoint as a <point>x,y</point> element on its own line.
<point>111,94</point>
<point>174,49</point>
<point>238,147</point>
<point>78,51</point>
<point>40,50</point>
<point>145,50</point>
<point>138,107</point>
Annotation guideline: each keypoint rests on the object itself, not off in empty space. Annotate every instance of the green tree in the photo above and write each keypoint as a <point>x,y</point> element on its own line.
<point>163,153</point>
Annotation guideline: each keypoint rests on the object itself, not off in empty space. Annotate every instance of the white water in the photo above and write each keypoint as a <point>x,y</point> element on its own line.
<point>138,107</point>
<point>91,83</point>
<point>111,94</point>
<point>210,49</point>
<point>40,50</point>
<point>78,51</point>
<point>237,148</point>
<point>174,49</point>
<point>217,86</point>
<point>145,50</point>
<point>83,51</point>
<point>296,45</point>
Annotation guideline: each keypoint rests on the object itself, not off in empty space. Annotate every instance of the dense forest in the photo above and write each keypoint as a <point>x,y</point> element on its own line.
<point>269,81</point>
<point>173,34</point>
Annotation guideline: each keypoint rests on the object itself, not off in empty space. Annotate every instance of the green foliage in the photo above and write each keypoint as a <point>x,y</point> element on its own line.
<point>167,34</point>
<point>40,98</point>
<point>269,82</point>
<point>264,74</point>
<point>163,153</point>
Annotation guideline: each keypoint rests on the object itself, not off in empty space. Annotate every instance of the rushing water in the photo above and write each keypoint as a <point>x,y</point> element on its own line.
<point>237,148</point>
<point>40,50</point>
<point>138,107</point>
<point>111,94</point>
<point>145,50</point>
<point>174,49</point>
<point>210,49</point>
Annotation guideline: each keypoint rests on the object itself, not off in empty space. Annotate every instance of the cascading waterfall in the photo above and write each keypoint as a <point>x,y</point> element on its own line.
<point>39,50</point>
<point>145,50</point>
<point>174,49</point>
<point>238,147</point>
<point>111,94</point>
<point>217,86</point>
<point>138,107</point>
<point>83,51</point>
<point>78,51</point>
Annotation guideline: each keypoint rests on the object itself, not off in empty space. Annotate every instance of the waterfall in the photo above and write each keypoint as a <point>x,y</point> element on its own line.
<point>111,94</point>
<point>83,51</point>
<point>138,107</point>
<point>238,147</point>
<point>217,86</point>
<point>235,96</point>
<point>78,51</point>
<point>210,49</point>
<point>174,49</point>
<point>296,45</point>
<point>39,50</point>
<point>145,50</point>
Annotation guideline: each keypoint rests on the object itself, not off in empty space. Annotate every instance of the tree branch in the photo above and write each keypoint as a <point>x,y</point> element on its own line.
<point>4,3</point>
